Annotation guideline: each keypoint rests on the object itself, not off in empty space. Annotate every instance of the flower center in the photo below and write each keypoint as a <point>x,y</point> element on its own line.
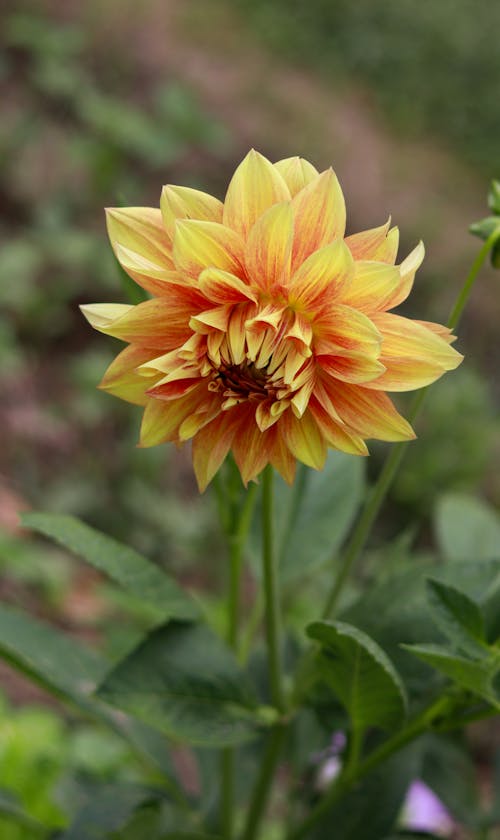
<point>242,382</point>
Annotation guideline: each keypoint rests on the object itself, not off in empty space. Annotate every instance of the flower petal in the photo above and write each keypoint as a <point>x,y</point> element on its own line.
<point>122,378</point>
<point>162,419</point>
<point>321,277</point>
<point>336,434</point>
<point>222,287</point>
<point>319,211</point>
<point>250,446</point>
<point>269,247</point>
<point>413,355</point>
<point>369,413</point>
<point>154,323</point>
<point>151,276</point>
<point>296,172</point>
<point>341,330</point>
<point>304,439</point>
<point>372,286</point>
<point>211,445</point>
<point>407,270</point>
<point>255,186</point>
<point>140,231</point>
<point>186,203</point>
<point>200,245</point>
<point>364,245</point>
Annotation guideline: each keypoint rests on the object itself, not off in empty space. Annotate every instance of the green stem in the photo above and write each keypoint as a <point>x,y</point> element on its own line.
<point>393,461</point>
<point>350,776</point>
<point>260,794</point>
<point>237,534</point>
<point>270,582</point>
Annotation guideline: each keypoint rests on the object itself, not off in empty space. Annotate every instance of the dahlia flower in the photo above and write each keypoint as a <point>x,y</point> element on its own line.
<point>268,333</point>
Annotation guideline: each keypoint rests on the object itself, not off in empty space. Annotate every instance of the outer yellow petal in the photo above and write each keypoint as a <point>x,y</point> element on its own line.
<point>161,419</point>
<point>151,276</point>
<point>200,245</point>
<point>364,245</point>
<point>341,330</point>
<point>122,379</point>
<point>372,287</point>
<point>304,438</point>
<point>296,172</point>
<point>319,211</point>
<point>369,413</point>
<point>140,231</point>
<point>255,186</point>
<point>186,203</point>
<point>388,250</point>
<point>321,277</point>
<point>336,434</point>
<point>407,269</point>
<point>210,447</point>
<point>269,247</point>
<point>154,323</point>
<point>413,355</point>
<point>251,447</point>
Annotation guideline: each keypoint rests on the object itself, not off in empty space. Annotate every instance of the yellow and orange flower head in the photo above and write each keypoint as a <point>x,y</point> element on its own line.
<point>268,333</point>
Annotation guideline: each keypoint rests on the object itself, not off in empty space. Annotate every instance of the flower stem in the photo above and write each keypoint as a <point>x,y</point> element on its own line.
<point>237,540</point>
<point>393,461</point>
<point>270,581</point>
<point>260,795</point>
<point>354,773</point>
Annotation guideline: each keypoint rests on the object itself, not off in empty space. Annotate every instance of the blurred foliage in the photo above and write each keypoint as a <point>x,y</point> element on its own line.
<point>431,66</point>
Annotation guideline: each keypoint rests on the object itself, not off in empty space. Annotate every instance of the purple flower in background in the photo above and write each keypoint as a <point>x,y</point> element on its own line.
<point>423,811</point>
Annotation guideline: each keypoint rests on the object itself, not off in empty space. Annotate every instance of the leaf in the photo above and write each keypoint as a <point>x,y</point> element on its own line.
<point>106,811</point>
<point>371,809</point>
<point>122,564</point>
<point>467,528</point>
<point>313,517</point>
<point>60,663</point>
<point>459,618</point>
<point>447,768</point>
<point>185,682</point>
<point>11,809</point>
<point>360,674</point>
<point>494,197</point>
<point>473,675</point>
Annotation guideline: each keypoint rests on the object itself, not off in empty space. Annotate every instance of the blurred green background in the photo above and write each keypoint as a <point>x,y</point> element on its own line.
<point>104,102</point>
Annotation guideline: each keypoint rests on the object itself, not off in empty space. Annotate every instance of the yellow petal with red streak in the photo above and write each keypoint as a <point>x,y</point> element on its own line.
<point>200,245</point>
<point>162,419</point>
<point>250,447</point>
<point>151,276</point>
<point>321,277</point>
<point>186,203</point>
<point>407,270</point>
<point>355,368</point>
<point>211,446</point>
<point>254,188</point>
<point>336,434</point>
<point>372,286</point>
<point>304,439</point>
<point>319,211</point>
<point>388,250</point>
<point>281,458</point>
<point>122,378</point>
<point>269,247</point>
<point>413,355</point>
<point>296,172</point>
<point>222,287</point>
<point>140,231</point>
<point>154,323</point>
<point>341,330</point>
<point>369,413</point>
<point>365,244</point>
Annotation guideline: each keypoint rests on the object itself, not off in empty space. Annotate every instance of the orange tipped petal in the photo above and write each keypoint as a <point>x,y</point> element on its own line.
<point>211,446</point>
<point>304,439</point>
<point>269,247</point>
<point>364,245</point>
<point>337,434</point>
<point>255,187</point>
<point>151,324</point>
<point>322,276</point>
<point>319,211</point>
<point>222,287</point>
<point>122,378</point>
<point>296,172</point>
<point>186,203</point>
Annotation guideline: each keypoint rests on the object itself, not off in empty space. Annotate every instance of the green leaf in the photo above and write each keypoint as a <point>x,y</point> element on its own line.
<point>11,809</point>
<point>58,662</point>
<point>361,675</point>
<point>473,675</point>
<point>313,517</point>
<point>485,227</point>
<point>122,564</point>
<point>467,528</point>
<point>458,617</point>
<point>106,811</point>
<point>185,682</point>
<point>371,809</point>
